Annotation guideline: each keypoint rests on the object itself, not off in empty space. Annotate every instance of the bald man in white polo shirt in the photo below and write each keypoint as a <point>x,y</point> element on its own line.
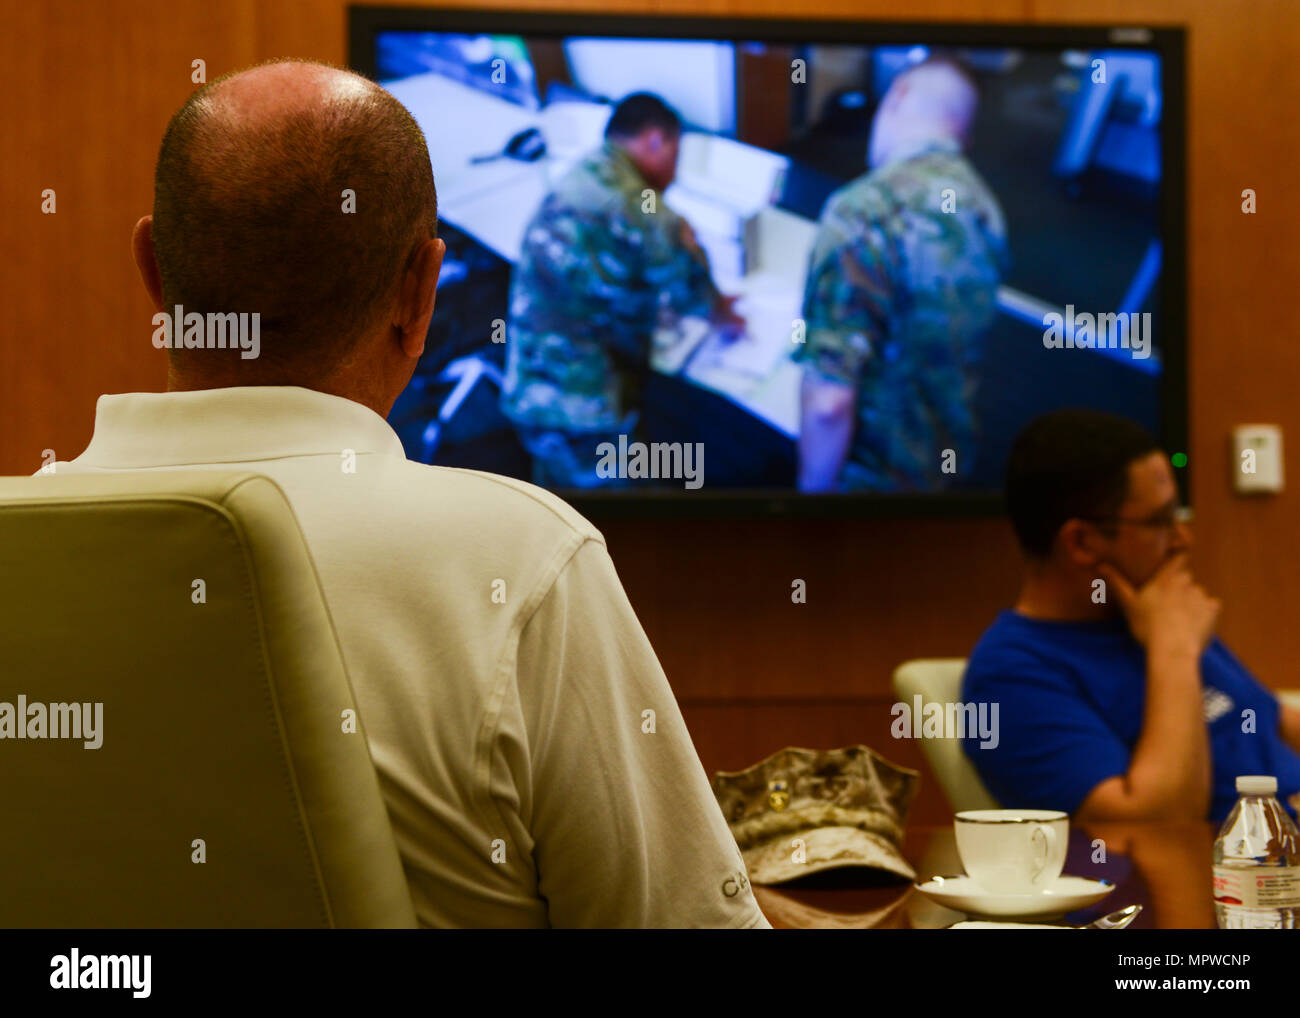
<point>506,729</point>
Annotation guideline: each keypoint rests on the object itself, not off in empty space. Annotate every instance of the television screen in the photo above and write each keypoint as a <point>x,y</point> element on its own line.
<point>796,263</point>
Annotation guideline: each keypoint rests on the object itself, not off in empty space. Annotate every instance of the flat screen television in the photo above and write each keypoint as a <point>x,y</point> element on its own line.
<point>879,250</point>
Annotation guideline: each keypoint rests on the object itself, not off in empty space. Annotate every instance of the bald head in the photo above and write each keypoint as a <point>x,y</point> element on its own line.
<point>933,100</point>
<point>297,191</point>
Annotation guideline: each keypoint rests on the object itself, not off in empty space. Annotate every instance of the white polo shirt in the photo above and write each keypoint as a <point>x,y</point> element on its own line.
<point>503,679</point>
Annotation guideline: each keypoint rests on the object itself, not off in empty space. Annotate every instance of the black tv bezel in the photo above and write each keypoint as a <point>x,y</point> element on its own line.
<point>365,22</point>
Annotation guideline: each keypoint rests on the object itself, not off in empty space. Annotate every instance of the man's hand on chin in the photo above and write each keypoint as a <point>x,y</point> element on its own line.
<point>1171,611</point>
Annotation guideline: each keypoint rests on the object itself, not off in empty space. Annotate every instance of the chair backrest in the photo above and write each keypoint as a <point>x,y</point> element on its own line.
<point>179,742</point>
<point>939,680</point>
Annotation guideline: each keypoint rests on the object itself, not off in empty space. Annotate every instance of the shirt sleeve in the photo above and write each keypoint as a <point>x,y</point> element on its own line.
<point>1053,747</point>
<point>1231,664</point>
<point>625,828</point>
<point>848,296</point>
<point>676,268</point>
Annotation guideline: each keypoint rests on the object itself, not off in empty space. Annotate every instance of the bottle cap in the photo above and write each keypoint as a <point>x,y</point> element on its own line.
<point>1256,784</point>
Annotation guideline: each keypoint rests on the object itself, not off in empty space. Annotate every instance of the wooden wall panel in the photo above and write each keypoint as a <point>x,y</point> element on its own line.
<point>87,90</point>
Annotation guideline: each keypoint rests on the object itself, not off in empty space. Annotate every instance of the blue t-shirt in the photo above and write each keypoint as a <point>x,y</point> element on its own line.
<point>1070,699</point>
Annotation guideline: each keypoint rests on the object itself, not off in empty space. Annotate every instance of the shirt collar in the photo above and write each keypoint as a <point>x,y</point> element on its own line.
<point>232,425</point>
<point>617,158</point>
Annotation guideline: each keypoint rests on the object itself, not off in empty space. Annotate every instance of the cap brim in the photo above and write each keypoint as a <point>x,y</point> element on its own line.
<point>824,848</point>
<point>783,909</point>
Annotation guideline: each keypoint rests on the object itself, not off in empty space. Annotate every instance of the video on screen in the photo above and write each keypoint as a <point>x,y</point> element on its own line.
<point>719,265</point>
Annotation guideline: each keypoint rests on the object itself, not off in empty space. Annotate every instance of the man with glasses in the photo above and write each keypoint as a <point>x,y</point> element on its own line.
<point>1116,700</point>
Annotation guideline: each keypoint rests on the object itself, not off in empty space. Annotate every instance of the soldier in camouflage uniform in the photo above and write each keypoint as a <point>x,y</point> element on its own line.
<point>604,263</point>
<point>901,286</point>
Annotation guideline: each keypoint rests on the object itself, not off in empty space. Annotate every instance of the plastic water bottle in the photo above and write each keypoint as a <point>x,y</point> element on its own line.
<point>1257,862</point>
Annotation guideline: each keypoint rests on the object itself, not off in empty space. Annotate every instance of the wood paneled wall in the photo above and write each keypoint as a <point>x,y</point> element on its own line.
<point>88,87</point>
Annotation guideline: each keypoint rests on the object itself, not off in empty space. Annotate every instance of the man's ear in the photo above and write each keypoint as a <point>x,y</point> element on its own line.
<point>142,248</point>
<point>419,285</point>
<point>1078,542</point>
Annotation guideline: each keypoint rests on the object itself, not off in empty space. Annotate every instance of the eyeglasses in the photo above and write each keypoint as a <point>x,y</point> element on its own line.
<point>1165,520</point>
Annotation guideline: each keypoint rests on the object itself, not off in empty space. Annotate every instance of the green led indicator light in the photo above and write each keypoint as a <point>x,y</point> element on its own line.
<point>1179,459</point>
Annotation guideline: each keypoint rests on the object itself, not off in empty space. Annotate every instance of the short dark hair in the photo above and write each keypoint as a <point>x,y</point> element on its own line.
<point>639,111</point>
<point>1069,464</point>
<point>249,217</point>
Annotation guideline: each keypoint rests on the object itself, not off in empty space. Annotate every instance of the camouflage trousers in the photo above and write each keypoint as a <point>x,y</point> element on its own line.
<point>564,459</point>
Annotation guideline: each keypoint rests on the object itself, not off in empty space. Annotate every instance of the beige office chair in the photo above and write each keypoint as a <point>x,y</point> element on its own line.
<point>939,679</point>
<point>226,790</point>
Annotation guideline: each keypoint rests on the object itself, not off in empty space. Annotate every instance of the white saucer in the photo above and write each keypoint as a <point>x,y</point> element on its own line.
<point>1064,894</point>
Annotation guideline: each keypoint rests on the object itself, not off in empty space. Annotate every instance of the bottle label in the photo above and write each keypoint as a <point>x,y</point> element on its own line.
<point>1257,887</point>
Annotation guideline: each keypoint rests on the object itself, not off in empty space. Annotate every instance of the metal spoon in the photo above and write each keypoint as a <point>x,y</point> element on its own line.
<point>1114,921</point>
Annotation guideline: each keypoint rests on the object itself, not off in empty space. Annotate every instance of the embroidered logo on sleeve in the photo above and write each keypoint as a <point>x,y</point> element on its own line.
<point>1215,704</point>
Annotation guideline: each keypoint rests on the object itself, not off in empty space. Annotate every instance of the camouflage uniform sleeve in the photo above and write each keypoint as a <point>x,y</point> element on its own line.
<point>594,276</point>
<point>848,297</point>
<point>676,267</point>
<point>646,272</point>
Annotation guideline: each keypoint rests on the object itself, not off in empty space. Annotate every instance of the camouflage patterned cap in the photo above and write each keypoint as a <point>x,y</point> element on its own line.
<point>847,806</point>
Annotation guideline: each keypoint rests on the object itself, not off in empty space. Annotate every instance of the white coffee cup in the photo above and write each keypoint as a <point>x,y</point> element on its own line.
<point>1012,851</point>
